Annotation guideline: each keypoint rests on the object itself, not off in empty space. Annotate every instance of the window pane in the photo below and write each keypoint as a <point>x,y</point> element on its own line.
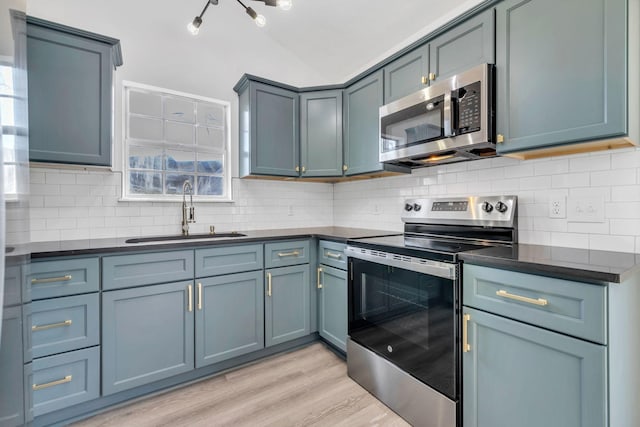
<point>211,115</point>
<point>9,148</point>
<point>180,161</point>
<point>211,138</point>
<point>178,132</point>
<point>145,158</point>
<point>210,164</point>
<point>7,114</point>
<point>210,186</point>
<point>145,183</point>
<point>179,109</point>
<point>145,128</point>
<point>175,182</point>
<point>6,80</point>
<point>10,182</point>
<point>149,104</point>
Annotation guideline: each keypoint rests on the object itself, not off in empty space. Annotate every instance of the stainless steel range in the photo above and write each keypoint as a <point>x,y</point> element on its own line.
<point>405,303</point>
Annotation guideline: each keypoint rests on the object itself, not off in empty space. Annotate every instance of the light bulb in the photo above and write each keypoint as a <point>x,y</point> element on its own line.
<point>285,4</point>
<point>194,26</point>
<point>261,21</point>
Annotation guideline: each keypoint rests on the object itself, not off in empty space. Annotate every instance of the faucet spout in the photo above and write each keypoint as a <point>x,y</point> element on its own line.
<point>188,212</point>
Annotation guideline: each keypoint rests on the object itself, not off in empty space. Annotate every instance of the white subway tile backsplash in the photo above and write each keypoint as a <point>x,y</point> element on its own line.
<point>570,240</point>
<point>612,243</point>
<point>571,180</point>
<point>613,177</point>
<point>60,178</point>
<point>590,163</point>
<point>625,193</point>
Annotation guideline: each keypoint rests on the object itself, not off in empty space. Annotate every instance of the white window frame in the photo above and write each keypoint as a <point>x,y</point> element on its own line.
<point>227,195</point>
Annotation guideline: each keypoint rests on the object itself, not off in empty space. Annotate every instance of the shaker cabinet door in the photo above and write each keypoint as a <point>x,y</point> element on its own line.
<point>407,74</point>
<point>287,304</point>
<point>321,133</point>
<point>332,291</point>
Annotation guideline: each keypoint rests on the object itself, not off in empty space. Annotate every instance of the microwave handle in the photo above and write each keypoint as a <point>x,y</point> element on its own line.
<point>449,114</point>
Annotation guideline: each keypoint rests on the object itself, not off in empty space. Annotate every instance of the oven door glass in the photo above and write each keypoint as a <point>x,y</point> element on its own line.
<point>407,317</point>
<point>413,125</point>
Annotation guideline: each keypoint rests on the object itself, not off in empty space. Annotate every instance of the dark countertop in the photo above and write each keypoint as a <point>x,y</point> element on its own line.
<point>86,247</point>
<point>583,265</point>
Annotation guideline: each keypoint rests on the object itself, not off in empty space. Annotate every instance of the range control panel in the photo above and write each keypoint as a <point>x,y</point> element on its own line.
<point>473,210</point>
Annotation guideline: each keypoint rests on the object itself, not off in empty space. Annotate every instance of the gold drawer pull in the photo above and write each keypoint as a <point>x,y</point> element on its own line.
<point>64,380</point>
<point>333,255</point>
<point>190,298</point>
<point>466,347</point>
<point>64,278</point>
<point>539,301</point>
<point>199,296</point>
<point>283,254</point>
<point>319,284</point>
<point>268,284</point>
<point>36,328</point>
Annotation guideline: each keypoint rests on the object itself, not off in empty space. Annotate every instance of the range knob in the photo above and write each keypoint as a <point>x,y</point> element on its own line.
<point>408,207</point>
<point>487,207</point>
<point>417,207</point>
<point>501,207</point>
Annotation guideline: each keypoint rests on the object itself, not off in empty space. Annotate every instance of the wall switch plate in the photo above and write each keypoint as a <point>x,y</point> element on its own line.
<point>557,207</point>
<point>585,209</point>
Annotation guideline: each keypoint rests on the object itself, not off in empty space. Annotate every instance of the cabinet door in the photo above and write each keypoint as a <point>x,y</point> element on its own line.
<point>465,46</point>
<point>332,289</point>
<point>362,102</point>
<point>406,74</point>
<point>229,317</point>
<point>71,77</point>
<point>274,130</point>
<point>147,335</point>
<point>287,304</point>
<point>321,133</point>
<point>520,375</point>
<point>561,72</point>
<point>11,369</point>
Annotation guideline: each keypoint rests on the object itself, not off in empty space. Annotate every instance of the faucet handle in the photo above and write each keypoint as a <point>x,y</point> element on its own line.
<point>212,229</point>
<point>192,214</point>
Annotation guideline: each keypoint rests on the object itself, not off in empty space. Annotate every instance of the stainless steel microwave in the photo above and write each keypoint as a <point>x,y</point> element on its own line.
<point>450,121</point>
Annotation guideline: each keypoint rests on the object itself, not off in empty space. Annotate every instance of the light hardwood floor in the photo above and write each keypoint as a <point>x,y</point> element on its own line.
<point>307,387</point>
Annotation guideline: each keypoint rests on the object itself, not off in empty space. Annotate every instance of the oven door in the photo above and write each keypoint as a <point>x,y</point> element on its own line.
<point>408,317</point>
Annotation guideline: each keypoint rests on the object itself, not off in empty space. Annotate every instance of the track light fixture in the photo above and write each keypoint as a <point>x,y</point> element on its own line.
<point>194,26</point>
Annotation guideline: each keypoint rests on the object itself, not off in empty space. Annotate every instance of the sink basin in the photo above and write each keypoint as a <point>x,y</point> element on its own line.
<point>180,237</point>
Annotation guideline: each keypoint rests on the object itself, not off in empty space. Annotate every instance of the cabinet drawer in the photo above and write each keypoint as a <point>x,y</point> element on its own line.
<point>64,324</point>
<point>63,277</point>
<point>332,253</point>
<point>228,259</point>
<point>574,308</point>
<point>126,271</point>
<point>64,380</point>
<point>286,253</point>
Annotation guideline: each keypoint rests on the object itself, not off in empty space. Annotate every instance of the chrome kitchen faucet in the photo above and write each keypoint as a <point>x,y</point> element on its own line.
<point>188,212</point>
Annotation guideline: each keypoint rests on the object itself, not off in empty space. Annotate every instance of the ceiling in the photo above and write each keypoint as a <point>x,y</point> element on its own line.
<point>340,38</point>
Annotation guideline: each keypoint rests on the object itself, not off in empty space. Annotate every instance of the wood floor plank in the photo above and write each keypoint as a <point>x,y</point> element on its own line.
<point>306,387</point>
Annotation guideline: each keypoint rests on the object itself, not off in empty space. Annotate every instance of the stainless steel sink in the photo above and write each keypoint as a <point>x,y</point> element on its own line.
<point>181,237</point>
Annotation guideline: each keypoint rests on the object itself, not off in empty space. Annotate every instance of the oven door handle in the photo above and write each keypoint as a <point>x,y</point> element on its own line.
<point>419,265</point>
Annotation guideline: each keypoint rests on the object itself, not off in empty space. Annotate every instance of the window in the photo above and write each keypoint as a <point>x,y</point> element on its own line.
<point>172,137</point>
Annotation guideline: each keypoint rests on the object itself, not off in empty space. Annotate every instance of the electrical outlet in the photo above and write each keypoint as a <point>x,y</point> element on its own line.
<point>586,209</point>
<point>557,207</point>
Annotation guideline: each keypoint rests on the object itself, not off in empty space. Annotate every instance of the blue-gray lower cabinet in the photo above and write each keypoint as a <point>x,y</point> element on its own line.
<point>321,133</point>
<point>147,334</point>
<point>286,304</point>
<point>12,409</point>
<point>229,316</point>
<point>515,374</point>
<point>332,288</point>
<point>561,72</point>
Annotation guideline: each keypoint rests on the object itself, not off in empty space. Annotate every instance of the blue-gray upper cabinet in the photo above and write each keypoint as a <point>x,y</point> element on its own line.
<point>287,306</point>
<point>229,316</point>
<point>332,288</point>
<point>563,81</point>
<point>147,334</point>
<point>362,101</point>
<point>321,133</point>
<point>520,375</point>
<point>269,130</point>
<point>12,409</point>
<point>466,45</point>
<point>70,77</point>
<point>407,74</point>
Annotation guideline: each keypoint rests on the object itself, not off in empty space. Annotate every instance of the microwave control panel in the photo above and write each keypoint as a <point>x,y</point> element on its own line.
<point>469,108</point>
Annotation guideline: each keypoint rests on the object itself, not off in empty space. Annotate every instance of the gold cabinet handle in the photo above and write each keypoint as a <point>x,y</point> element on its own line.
<point>304,169</point>
<point>499,138</point>
<point>318,281</point>
<point>283,254</point>
<point>64,278</point>
<point>540,301</point>
<point>199,296</point>
<point>64,380</point>
<point>345,168</point>
<point>333,255</point>
<point>268,284</point>
<point>425,80</point>
<point>190,298</point>
<point>466,347</point>
<point>297,168</point>
<point>432,76</point>
<point>36,328</point>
